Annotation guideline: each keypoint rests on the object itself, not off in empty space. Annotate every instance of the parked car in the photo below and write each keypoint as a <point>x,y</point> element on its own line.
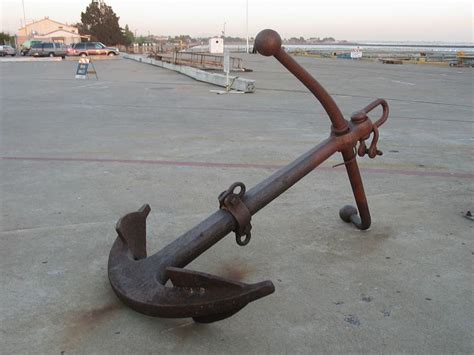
<point>26,46</point>
<point>7,50</point>
<point>48,49</point>
<point>92,48</point>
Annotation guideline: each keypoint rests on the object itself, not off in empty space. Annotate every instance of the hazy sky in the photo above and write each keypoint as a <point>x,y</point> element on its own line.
<point>416,20</point>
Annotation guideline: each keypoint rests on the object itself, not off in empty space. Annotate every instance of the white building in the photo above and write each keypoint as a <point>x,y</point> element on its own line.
<point>216,45</point>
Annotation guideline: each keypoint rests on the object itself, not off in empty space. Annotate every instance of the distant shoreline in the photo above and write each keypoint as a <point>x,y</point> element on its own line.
<point>406,45</point>
<point>370,47</point>
<point>347,47</point>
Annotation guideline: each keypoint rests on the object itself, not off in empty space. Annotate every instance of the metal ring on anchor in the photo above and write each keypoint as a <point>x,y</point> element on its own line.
<point>238,239</point>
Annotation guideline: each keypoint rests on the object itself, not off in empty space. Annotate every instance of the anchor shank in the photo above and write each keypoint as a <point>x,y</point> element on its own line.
<point>272,187</point>
<point>200,238</point>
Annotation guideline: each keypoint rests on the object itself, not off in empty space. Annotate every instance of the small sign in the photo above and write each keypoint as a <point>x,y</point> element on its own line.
<point>85,67</point>
<point>356,53</point>
<point>82,68</point>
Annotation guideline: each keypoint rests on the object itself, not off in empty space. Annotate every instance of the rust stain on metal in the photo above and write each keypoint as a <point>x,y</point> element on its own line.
<point>140,280</point>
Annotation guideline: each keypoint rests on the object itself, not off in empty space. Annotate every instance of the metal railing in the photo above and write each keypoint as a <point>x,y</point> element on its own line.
<point>199,60</point>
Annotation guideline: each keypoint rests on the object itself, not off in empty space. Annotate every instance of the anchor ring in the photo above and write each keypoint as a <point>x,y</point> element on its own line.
<point>242,242</point>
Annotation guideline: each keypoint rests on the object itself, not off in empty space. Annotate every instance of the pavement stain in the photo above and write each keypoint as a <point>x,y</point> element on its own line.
<point>367,298</point>
<point>372,242</point>
<point>361,245</point>
<point>235,269</point>
<point>352,319</point>
<point>80,323</point>
<point>184,330</point>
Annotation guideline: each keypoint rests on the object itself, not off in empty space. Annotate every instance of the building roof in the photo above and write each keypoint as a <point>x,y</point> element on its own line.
<point>60,30</point>
<point>47,19</point>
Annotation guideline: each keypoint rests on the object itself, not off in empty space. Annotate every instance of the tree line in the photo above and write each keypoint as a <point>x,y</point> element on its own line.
<point>5,38</point>
<point>101,23</point>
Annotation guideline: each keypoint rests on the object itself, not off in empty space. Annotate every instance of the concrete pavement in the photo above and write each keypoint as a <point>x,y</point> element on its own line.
<point>76,155</point>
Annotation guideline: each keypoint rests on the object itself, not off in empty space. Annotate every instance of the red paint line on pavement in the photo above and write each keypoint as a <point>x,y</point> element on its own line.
<point>155,162</point>
<point>426,173</point>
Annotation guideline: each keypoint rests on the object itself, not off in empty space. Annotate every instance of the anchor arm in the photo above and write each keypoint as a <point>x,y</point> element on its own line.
<point>360,217</point>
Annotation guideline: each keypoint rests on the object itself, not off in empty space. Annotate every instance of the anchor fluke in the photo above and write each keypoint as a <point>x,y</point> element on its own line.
<point>139,281</point>
<point>131,229</point>
<point>216,293</point>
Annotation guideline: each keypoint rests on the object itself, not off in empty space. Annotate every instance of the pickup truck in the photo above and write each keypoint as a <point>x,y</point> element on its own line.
<point>48,49</point>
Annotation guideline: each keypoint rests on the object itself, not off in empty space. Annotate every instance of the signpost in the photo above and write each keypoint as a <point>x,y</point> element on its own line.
<point>84,68</point>
<point>227,65</point>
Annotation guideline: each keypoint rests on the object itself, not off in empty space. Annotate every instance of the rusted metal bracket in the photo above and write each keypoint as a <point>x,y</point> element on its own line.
<point>231,201</point>
<point>139,281</point>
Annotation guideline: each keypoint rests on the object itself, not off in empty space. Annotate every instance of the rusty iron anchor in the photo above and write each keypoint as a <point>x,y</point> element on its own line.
<point>139,281</point>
